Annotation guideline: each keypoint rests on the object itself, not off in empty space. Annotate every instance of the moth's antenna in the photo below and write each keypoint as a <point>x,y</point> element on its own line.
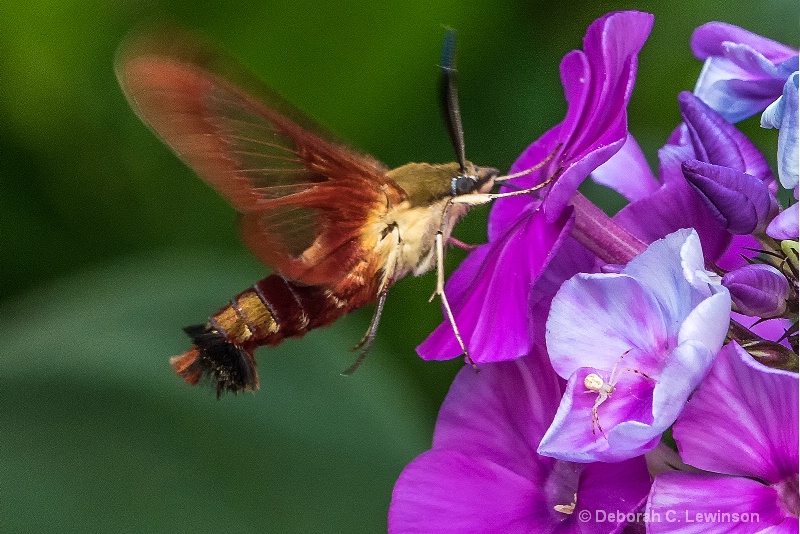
<point>449,96</point>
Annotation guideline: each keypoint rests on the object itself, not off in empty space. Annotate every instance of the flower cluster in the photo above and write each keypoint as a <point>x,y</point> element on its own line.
<point>636,371</point>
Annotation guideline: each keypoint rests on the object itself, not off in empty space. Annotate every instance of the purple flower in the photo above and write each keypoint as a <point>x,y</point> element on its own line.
<point>633,347</point>
<point>597,84</point>
<point>741,427</point>
<point>489,292</point>
<point>483,473</point>
<point>784,114</point>
<point>743,72</point>
<point>706,137</point>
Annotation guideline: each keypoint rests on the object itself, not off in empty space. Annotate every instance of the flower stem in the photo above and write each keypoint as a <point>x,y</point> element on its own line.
<point>601,235</point>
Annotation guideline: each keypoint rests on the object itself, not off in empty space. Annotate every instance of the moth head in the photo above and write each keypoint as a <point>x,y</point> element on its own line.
<point>479,180</point>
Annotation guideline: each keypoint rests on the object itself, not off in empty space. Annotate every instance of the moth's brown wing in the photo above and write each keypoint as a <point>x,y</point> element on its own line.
<point>305,199</point>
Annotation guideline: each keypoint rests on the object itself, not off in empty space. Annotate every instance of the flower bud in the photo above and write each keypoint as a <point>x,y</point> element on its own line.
<point>757,290</point>
<point>786,224</point>
<point>718,142</point>
<point>740,202</point>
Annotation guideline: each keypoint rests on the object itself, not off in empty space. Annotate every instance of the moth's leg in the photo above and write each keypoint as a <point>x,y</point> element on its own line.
<point>369,338</point>
<point>445,303</point>
<point>439,254</point>
<point>460,244</point>
<point>365,344</point>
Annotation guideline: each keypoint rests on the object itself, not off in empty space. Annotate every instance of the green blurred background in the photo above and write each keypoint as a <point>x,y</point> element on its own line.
<point>109,245</point>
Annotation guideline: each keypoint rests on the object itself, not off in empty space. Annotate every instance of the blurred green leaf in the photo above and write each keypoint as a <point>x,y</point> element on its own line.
<point>100,436</point>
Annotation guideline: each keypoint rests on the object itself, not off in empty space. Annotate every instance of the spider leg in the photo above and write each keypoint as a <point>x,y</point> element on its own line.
<point>601,398</point>
<point>614,369</point>
<point>638,372</point>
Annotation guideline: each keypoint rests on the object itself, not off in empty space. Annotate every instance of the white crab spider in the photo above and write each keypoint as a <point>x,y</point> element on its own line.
<point>595,384</point>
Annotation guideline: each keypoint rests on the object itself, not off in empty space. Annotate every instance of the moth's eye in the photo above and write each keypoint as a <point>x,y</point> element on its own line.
<point>461,185</point>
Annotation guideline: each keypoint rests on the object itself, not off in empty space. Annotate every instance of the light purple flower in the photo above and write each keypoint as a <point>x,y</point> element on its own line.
<point>784,114</point>
<point>743,72</point>
<point>648,334</point>
<point>483,473</point>
<point>490,290</point>
<point>741,426</point>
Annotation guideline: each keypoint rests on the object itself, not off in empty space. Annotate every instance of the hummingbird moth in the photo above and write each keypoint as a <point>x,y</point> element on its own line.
<point>338,228</point>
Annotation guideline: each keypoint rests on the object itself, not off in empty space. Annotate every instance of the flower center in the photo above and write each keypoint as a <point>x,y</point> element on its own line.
<point>790,494</point>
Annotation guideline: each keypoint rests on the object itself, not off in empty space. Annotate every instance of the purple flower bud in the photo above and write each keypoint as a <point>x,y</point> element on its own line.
<point>718,142</point>
<point>758,290</point>
<point>740,202</point>
<point>785,224</point>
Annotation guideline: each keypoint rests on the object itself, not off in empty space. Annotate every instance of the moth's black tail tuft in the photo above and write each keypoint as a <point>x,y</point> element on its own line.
<point>228,367</point>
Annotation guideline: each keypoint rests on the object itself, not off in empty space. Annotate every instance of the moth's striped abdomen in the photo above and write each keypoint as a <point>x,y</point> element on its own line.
<point>265,314</point>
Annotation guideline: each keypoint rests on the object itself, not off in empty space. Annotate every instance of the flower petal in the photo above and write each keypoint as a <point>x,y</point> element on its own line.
<point>676,205</point>
<point>733,93</point>
<point>740,202</point>
<point>501,413</point>
<point>662,271</point>
<point>742,71</point>
<point>707,324</point>
<point>784,114</point>
<point>595,318</point>
<point>692,503</point>
<point>684,368</point>
<point>718,142</point>
<point>483,474</point>
<point>708,39</point>
<point>742,246</point>
<point>758,290</point>
<point>597,86</point>
<point>627,172</point>
<point>626,494</point>
<point>507,211</point>
<point>621,431</point>
<point>447,491</point>
<point>593,132</point>
<point>754,410</point>
<point>489,293</point>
